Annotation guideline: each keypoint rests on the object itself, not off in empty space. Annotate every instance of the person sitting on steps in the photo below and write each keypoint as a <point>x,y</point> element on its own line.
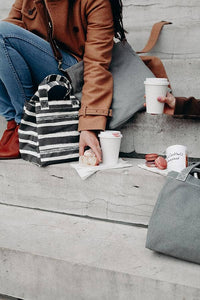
<point>83,30</point>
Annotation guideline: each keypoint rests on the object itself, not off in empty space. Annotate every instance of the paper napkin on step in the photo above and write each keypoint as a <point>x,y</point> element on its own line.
<point>86,171</point>
<point>154,169</point>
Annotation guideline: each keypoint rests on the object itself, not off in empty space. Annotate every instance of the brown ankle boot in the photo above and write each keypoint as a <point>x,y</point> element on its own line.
<point>11,125</point>
<point>11,148</point>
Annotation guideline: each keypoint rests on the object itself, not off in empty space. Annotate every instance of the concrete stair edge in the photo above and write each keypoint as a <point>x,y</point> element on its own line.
<point>51,256</point>
<point>146,133</point>
<point>129,197</point>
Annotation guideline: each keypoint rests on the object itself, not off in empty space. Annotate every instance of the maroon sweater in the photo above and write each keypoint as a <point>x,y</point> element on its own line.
<point>187,106</point>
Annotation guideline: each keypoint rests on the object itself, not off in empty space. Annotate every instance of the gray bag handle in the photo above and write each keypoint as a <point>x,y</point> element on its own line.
<point>48,83</point>
<point>182,176</point>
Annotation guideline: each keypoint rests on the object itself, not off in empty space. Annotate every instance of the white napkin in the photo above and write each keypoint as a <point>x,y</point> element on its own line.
<point>154,169</point>
<point>84,171</point>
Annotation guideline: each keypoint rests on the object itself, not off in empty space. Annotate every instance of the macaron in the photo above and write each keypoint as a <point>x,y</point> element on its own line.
<point>150,164</point>
<point>161,163</point>
<point>151,157</point>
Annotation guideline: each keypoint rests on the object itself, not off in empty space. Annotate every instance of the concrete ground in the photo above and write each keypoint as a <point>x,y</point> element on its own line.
<point>48,256</point>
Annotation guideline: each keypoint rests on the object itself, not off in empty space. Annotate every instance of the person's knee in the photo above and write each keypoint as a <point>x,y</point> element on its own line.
<point>4,27</point>
<point>7,28</point>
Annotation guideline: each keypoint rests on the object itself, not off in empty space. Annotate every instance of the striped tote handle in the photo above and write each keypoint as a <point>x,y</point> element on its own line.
<point>48,83</point>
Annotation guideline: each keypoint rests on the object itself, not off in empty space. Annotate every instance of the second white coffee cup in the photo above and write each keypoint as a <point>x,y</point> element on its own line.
<point>176,158</point>
<point>154,88</point>
<point>110,145</point>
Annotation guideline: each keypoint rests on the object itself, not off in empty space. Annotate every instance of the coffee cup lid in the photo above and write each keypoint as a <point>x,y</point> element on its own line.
<point>156,81</point>
<point>110,134</point>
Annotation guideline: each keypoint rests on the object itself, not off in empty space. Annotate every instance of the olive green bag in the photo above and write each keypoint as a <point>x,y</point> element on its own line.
<point>174,227</point>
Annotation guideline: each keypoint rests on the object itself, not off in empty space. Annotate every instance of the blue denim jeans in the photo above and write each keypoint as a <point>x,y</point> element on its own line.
<point>25,60</point>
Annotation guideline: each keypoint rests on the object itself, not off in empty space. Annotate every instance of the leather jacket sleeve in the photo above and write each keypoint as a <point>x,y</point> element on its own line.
<point>98,83</point>
<point>187,106</point>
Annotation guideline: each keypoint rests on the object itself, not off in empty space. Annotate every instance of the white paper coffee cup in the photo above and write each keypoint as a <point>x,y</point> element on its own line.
<point>176,158</point>
<point>154,88</point>
<point>110,145</point>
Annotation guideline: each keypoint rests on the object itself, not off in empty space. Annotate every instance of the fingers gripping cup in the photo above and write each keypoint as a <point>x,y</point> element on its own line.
<point>110,144</point>
<point>154,88</point>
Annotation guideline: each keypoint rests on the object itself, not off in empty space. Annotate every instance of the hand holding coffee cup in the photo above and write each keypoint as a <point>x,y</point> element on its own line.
<point>110,145</point>
<point>155,88</point>
<point>169,103</point>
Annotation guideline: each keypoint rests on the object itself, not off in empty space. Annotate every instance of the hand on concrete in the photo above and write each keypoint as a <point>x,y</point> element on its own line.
<point>89,138</point>
<point>170,102</point>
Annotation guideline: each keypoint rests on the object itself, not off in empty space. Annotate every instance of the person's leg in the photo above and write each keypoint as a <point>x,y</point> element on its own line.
<point>25,60</point>
<point>6,108</point>
<point>9,113</point>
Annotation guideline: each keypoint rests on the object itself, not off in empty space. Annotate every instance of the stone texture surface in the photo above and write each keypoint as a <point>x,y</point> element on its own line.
<point>147,133</point>
<point>139,16</point>
<point>178,42</point>
<point>5,7</point>
<point>183,76</point>
<point>126,195</point>
<point>52,256</point>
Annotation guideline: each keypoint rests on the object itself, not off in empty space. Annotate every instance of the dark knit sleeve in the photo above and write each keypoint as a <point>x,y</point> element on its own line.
<point>187,106</point>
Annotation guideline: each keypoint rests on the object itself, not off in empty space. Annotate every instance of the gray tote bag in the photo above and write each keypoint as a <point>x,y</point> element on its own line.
<point>129,72</point>
<point>174,227</point>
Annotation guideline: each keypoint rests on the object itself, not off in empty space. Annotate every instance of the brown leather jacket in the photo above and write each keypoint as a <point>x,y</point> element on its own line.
<point>187,106</point>
<point>87,33</point>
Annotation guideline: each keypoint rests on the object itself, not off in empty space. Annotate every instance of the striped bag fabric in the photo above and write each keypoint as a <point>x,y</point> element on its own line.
<point>48,132</point>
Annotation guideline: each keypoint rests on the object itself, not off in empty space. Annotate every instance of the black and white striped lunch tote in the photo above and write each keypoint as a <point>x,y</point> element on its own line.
<point>48,132</point>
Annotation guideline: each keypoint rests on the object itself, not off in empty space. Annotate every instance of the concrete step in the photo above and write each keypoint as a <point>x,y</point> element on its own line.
<point>146,12</point>
<point>179,54</point>
<point>124,195</point>
<point>5,8</point>
<point>184,76</point>
<point>147,133</point>
<point>48,256</point>
<point>139,16</point>
<point>172,43</point>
